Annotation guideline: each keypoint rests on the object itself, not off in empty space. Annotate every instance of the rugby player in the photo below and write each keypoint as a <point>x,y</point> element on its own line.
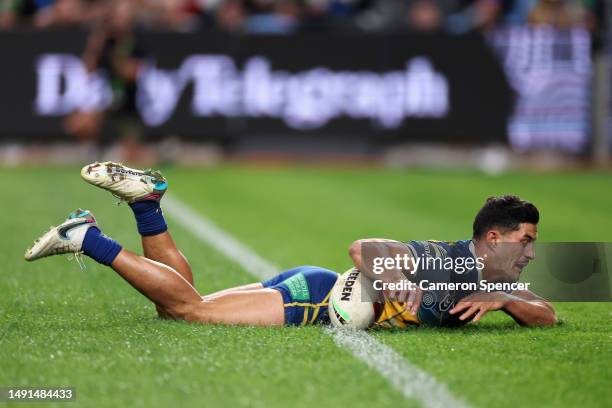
<point>298,296</point>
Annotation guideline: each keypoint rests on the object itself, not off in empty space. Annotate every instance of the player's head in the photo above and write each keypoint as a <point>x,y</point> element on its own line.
<point>507,227</point>
<point>505,216</point>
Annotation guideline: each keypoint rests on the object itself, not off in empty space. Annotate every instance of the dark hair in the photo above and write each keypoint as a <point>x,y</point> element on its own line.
<point>505,212</point>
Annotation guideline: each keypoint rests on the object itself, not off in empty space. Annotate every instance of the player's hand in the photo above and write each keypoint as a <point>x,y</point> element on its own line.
<point>411,298</point>
<point>479,304</point>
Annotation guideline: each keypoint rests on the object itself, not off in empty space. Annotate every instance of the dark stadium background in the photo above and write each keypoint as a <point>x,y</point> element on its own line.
<point>517,77</point>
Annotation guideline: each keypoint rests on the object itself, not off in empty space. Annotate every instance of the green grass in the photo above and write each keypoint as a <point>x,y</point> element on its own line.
<point>88,329</point>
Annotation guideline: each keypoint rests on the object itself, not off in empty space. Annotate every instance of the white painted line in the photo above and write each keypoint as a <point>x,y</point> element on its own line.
<point>410,380</point>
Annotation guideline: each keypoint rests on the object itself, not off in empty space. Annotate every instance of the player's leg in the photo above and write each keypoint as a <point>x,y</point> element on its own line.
<point>157,243</point>
<point>158,282</point>
<point>241,288</point>
<point>162,248</point>
<point>167,288</point>
<point>254,307</point>
<point>297,297</point>
<point>275,280</point>
<point>142,190</point>
<point>80,234</point>
<point>180,300</point>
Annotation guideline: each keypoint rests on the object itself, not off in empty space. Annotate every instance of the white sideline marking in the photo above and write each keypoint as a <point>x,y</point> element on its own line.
<point>410,380</point>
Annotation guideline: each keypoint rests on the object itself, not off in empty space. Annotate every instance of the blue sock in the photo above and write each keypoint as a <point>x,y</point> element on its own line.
<point>99,247</point>
<point>149,217</point>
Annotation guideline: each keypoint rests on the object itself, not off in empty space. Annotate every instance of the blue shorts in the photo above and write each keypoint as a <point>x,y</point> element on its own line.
<point>305,291</point>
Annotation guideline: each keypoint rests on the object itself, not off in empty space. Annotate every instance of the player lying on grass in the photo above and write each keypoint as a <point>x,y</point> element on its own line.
<point>295,297</point>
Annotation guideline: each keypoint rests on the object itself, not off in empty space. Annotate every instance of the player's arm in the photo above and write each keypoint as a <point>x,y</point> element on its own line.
<point>377,248</point>
<point>526,308</point>
<point>386,248</point>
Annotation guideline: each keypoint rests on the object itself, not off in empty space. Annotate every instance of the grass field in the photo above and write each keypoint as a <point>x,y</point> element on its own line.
<point>62,326</point>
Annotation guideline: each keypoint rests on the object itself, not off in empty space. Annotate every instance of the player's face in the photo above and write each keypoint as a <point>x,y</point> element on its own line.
<point>520,245</point>
<point>512,251</point>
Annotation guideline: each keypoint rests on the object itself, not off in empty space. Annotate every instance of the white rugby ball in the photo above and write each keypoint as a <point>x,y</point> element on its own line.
<point>351,303</point>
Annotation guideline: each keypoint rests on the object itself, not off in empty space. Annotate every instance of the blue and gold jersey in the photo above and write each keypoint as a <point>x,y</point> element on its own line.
<point>394,315</point>
<point>447,263</point>
<point>306,289</point>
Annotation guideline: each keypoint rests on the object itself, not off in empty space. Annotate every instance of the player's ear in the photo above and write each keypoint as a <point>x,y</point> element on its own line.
<point>493,237</point>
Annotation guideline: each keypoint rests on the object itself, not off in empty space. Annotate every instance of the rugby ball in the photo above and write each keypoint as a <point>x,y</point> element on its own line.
<point>351,303</point>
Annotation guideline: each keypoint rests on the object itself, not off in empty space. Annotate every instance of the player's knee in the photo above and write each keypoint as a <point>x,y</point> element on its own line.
<point>162,313</point>
<point>192,312</point>
<point>182,311</point>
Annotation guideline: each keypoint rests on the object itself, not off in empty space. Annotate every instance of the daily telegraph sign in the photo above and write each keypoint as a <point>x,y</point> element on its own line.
<point>389,88</point>
<point>303,100</point>
<point>63,86</point>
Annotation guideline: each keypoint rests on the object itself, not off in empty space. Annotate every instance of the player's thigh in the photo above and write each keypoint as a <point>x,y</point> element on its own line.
<point>283,276</point>
<point>250,286</point>
<point>259,307</point>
